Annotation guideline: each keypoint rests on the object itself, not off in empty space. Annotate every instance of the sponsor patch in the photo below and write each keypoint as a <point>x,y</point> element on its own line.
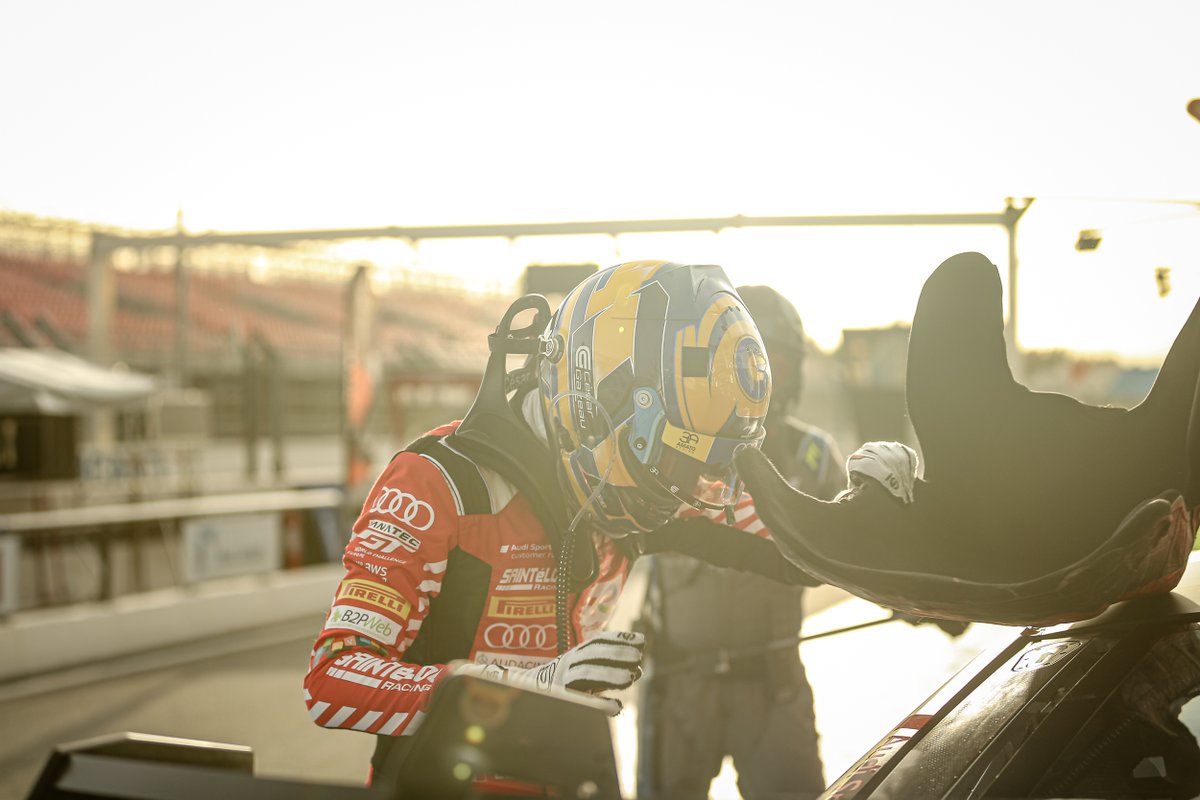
<point>357,551</point>
<point>849,784</point>
<point>528,579</point>
<point>374,569</point>
<point>696,445</point>
<point>384,537</point>
<point>375,594</point>
<point>753,372</point>
<point>538,607</point>
<point>406,509</point>
<point>370,670</point>
<point>331,647</point>
<point>527,550</point>
<point>519,636</point>
<point>510,660</point>
<point>368,623</point>
<point>1046,654</point>
<point>583,408</point>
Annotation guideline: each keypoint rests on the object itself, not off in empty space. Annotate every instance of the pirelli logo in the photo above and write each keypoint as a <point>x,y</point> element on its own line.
<point>375,594</point>
<point>521,607</point>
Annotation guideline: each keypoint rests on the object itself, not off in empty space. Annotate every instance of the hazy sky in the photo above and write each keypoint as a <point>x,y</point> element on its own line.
<point>265,115</point>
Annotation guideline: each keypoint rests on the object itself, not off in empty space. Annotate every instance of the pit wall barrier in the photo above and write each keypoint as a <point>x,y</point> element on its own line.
<point>228,577</point>
<point>44,641</point>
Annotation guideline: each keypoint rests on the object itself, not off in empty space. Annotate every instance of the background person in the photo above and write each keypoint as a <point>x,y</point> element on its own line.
<point>727,677</point>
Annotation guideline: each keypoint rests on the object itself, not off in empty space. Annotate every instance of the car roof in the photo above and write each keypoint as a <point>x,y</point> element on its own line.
<point>1181,604</point>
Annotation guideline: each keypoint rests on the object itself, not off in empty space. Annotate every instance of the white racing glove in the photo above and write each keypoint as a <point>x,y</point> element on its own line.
<point>609,660</point>
<point>892,464</point>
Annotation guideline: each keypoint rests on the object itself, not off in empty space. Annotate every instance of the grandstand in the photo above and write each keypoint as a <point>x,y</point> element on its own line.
<point>424,325</point>
<point>261,406</point>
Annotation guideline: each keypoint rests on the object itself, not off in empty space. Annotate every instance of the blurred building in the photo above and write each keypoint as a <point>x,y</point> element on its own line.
<point>243,390</point>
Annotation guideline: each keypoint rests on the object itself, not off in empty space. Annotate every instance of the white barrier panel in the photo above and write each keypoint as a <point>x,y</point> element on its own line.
<point>42,641</point>
<point>10,573</point>
<point>221,547</point>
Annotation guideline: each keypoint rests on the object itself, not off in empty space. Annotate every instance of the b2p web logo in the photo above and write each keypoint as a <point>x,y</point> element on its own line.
<point>368,623</point>
<point>404,508</point>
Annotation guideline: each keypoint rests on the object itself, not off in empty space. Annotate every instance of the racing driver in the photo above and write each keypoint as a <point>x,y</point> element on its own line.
<point>498,545</point>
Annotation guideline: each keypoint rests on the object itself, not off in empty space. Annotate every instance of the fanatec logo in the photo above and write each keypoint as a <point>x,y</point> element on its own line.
<point>408,510</point>
<point>506,636</point>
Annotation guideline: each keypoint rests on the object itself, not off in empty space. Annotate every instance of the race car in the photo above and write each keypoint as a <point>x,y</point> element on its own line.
<point>1106,707</point>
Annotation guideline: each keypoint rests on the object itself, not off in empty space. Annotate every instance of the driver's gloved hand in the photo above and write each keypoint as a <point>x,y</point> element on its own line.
<point>892,465</point>
<point>609,660</point>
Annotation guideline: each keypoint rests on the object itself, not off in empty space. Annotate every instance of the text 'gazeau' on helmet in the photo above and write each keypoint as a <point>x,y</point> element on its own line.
<point>656,376</point>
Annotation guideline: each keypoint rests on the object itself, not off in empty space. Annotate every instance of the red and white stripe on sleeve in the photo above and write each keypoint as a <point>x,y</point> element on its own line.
<point>395,561</point>
<point>745,516</point>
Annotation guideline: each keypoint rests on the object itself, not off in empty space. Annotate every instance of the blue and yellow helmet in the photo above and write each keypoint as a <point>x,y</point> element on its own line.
<point>656,375</point>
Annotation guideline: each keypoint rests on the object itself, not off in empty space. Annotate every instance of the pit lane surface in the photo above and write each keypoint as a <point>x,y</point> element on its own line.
<point>864,683</point>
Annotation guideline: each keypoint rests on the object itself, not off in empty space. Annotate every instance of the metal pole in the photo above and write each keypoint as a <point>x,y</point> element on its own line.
<point>101,300</point>
<point>250,402</point>
<point>359,376</point>
<point>101,308</point>
<point>1012,215</point>
<point>606,227</point>
<point>181,308</point>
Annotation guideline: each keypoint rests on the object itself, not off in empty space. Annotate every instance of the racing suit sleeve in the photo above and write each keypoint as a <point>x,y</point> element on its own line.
<point>395,561</point>
<point>705,535</point>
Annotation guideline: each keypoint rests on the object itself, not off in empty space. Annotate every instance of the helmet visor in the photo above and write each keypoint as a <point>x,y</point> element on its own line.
<point>684,476</point>
<point>629,509</point>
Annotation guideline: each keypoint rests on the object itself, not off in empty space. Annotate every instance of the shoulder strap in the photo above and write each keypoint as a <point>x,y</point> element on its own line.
<point>470,491</point>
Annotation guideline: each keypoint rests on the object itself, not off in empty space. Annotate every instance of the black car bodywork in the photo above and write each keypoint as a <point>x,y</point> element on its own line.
<point>1107,707</point>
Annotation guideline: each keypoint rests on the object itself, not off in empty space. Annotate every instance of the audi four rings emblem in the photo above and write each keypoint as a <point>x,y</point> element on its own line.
<point>507,636</point>
<point>416,514</point>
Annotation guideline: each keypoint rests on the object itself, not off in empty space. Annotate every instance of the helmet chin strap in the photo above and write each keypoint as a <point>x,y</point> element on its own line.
<point>684,497</point>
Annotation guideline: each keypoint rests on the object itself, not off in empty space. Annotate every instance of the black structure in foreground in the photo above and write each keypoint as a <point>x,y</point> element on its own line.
<point>475,727</point>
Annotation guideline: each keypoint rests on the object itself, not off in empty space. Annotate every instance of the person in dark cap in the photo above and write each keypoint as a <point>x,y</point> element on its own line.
<point>727,679</point>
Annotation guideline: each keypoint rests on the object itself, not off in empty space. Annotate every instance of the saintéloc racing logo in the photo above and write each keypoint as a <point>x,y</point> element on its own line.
<point>527,578</point>
<point>369,670</point>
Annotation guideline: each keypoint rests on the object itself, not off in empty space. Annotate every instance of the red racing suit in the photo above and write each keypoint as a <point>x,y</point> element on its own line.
<point>439,569</point>
<point>446,561</point>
